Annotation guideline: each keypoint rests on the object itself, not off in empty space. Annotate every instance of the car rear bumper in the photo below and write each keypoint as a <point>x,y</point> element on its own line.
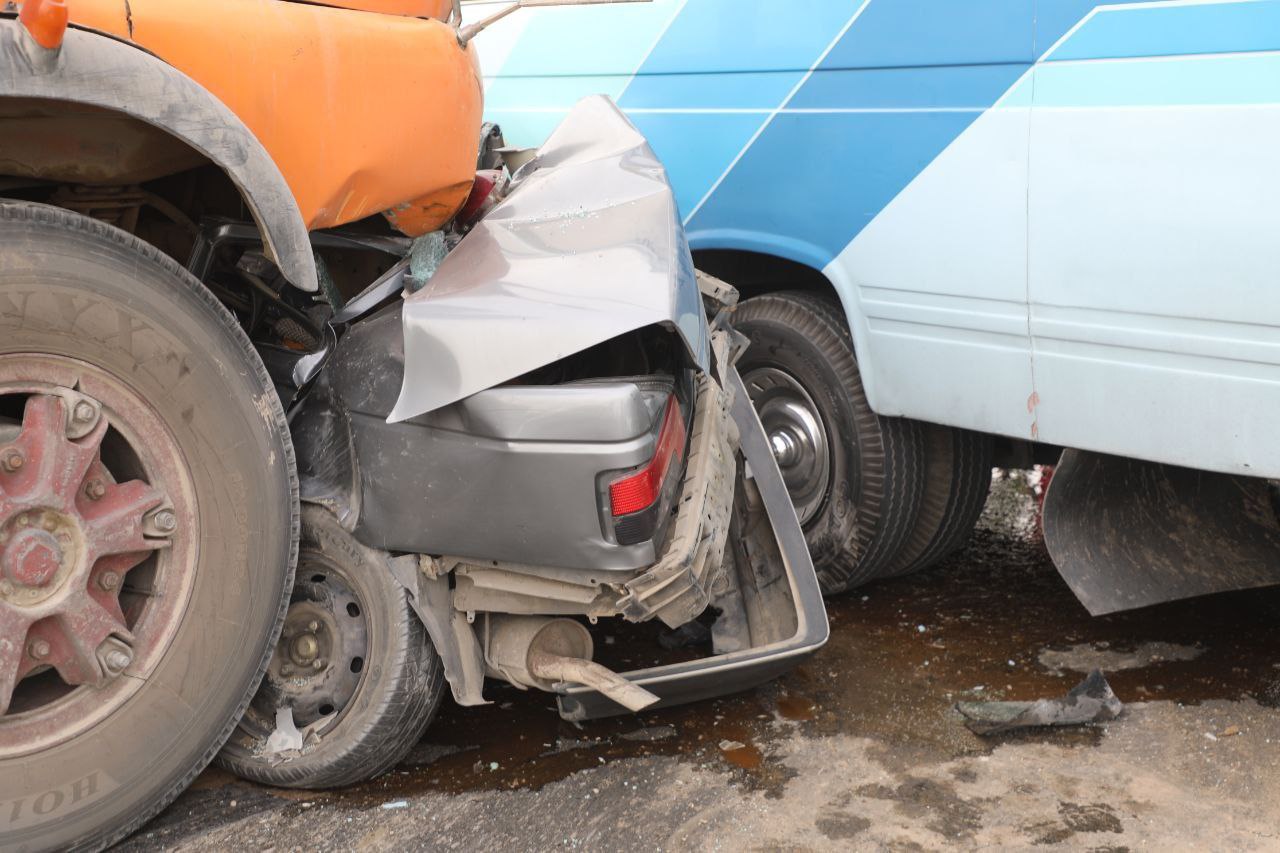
<point>738,670</point>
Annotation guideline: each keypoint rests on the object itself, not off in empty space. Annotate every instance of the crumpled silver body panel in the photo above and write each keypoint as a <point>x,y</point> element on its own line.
<point>586,247</point>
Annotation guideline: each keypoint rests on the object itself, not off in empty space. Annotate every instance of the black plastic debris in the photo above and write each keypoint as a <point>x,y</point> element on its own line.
<point>687,636</point>
<point>1090,701</point>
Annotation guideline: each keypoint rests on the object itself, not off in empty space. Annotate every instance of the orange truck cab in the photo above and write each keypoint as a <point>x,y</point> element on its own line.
<point>317,401</point>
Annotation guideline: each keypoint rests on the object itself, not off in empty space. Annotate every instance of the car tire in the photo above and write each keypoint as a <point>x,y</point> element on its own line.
<point>957,480</point>
<point>855,478</point>
<point>381,680</point>
<point>187,409</point>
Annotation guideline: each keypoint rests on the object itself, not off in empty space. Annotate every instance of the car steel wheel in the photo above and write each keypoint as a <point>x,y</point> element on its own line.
<point>354,679</point>
<point>320,658</point>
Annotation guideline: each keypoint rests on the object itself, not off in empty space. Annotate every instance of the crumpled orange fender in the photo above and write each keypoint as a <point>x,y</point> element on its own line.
<point>362,112</point>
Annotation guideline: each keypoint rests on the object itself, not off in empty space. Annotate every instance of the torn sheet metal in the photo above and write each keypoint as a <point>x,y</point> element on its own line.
<point>586,247</point>
<point>1090,701</point>
<point>286,737</point>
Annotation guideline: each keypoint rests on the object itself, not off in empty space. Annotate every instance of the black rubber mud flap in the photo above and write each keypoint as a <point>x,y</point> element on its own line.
<point>1126,534</point>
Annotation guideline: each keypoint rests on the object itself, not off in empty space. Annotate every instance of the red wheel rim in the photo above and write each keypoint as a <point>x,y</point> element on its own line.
<point>98,540</point>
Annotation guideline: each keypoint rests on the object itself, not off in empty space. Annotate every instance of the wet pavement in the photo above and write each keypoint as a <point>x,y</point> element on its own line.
<point>857,747</point>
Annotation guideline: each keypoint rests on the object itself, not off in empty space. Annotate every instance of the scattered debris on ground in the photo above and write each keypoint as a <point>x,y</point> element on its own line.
<point>1090,701</point>
<point>859,747</point>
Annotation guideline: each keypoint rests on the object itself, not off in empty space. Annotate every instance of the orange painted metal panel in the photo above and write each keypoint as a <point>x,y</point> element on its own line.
<point>363,113</point>
<point>46,20</point>
<point>413,8</point>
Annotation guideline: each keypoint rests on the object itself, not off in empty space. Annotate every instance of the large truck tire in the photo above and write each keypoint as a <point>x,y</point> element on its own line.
<point>149,506</point>
<point>856,479</point>
<point>957,480</point>
<point>354,681</point>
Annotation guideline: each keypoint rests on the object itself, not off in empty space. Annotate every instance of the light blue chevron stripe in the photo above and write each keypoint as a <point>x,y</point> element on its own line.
<point>1235,79</point>
<point>1172,29</point>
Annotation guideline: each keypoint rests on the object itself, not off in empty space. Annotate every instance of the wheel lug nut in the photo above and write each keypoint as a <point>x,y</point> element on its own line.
<point>313,626</point>
<point>39,649</point>
<point>286,670</point>
<point>12,461</point>
<point>83,412</point>
<point>109,581</point>
<point>23,521</point>
<point>114,656</point>
<point>159,522</point>
<point>95,489</point>
<point>317,664</point>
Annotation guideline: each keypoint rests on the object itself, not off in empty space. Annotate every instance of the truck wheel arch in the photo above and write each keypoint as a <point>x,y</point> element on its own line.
<point>99,71</point>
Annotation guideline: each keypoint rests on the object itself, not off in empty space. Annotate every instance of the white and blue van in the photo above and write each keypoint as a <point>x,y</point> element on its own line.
<point>967,224</point>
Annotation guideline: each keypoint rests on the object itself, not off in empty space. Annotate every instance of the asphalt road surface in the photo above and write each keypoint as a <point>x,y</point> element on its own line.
<point>857,749</point>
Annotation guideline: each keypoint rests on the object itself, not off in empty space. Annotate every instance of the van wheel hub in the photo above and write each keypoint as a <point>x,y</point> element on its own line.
<point>797,436</point>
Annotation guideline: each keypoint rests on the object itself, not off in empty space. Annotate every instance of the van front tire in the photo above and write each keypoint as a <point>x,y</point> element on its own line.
<point>856,478</point>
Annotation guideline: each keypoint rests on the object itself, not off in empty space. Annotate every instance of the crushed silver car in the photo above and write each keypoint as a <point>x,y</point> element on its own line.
<point>514,437</point>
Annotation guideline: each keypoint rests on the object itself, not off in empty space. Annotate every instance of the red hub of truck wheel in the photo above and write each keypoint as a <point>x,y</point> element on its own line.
<point>69,533</point>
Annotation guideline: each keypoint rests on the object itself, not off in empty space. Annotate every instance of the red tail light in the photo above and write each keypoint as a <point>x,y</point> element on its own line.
<point>472,209</point>
<point>642,489</point>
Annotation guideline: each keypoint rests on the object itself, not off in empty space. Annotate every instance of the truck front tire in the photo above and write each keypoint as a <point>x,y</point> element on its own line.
<point>187,459</point>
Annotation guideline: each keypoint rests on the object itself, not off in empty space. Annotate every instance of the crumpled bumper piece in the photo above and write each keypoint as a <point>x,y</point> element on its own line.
<point>586,247</point>
<point>739,670</point>
<point>676,588</point>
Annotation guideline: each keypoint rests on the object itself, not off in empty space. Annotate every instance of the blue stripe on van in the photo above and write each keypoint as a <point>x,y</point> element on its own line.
<point>930,87</point>
<point>1172,30</point>
<point>934,65</point>
<point>578,40</point>
<point>738,90</point>
<point>812,181</point>
<point>1236,79</point>
<point>716,56</point>
<point>710,36</point>
<point>901,33</point>
<point>973,51</point>
<point>695,147</point>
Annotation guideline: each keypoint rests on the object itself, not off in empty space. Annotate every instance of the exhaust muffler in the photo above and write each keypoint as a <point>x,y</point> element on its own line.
<point>538,651</point>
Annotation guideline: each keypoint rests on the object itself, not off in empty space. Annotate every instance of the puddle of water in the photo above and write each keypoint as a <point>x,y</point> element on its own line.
<point>744,756</point>
<point>796,708</point>
<point>901,653</point>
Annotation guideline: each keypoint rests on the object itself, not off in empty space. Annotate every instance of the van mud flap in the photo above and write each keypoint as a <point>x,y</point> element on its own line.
<point>775,598</point>
<point>1125,533</point>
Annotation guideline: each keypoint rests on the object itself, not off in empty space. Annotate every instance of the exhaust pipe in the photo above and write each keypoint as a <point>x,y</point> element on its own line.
<point>537,651</point>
